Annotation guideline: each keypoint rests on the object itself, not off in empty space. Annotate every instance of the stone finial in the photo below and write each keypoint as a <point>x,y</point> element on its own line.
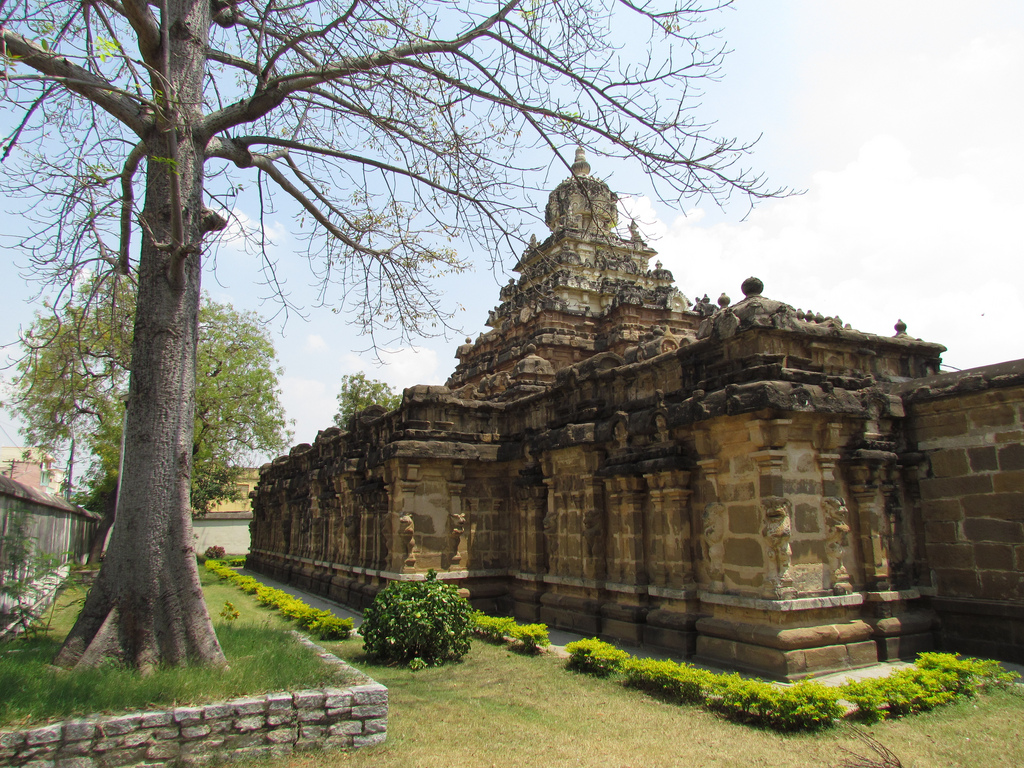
<point>581,167</point>
<point>533,241</point>
<point>634,233</point>
<point>900,328</point>
<point>724,300</point>
<point>752,286</point>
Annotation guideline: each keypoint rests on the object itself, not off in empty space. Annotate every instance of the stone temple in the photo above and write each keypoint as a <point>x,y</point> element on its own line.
<point>741,481</point>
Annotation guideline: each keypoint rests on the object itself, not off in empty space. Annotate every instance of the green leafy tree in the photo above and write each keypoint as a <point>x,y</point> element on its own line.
<point>395,127</point>
<point>359,392</point>
<point>74,375</point>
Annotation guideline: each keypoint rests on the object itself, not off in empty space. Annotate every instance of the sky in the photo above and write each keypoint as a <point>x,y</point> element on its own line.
<point>898,121</point>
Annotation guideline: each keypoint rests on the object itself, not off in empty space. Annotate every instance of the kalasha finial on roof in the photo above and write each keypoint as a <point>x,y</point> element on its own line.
<point>900,328</point>
<point>752,287</point>
<point>581,167</point>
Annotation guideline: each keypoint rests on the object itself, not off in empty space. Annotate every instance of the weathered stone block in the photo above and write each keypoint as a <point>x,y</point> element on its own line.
<point>118,757</point>
<point>806,518</point>
<point>347,728</point>
<point>337,698</point>
<point>277,702</point>
<point>72,748</point>
<point>994,557</point>
<point>135,738</point>
<point>282,735</point>
<point>1001,585</point>
<point>942,509</point>
<point>312,732</point>
<point>955,487</point>
<point>1011,457</point>
<point>365,711</point>
<point>941,532</point>
<point>48,734</point>
<point>743,518</point>
<point>1008,482</point>
<point>1001,415</point>
<point>369,740</point>
<point>280,718</point>
<point>75,762</point>
<point>165,750</point>
<point>312,715</point>
<point>250,723</point>
<point>1007,506</point>
<point>745,552</point>
<point>195,731</point>
<point>951,556</point>
<point>983,459</point>
<point>370,694</point>
<point>11,739</point>
<point>950,462</point>
<point>75,730</point>
<point>957,583</point>
<point>249,706</point>
<point>309,699</point>
<point>217,711</point>
<point>338,713</point>
<point>379,725</point>
<point>989,529</point>
<point>187,715</point>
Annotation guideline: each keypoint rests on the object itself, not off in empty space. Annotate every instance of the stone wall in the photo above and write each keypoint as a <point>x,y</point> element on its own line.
<point>969,431</point>
<point>271,725</point>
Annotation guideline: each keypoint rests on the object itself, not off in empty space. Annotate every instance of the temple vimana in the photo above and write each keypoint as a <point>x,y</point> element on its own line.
<point>738,481</point>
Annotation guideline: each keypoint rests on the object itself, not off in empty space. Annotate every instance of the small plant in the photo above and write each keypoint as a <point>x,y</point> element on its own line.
<point>214,553</point>
<point>675,682</point>
<point>427,619</point>
<point>934,680</point>
<point>530,638</point>
<point>804,706</point>
<point>493,628</point>
<point>595,657</point>
<point>229,612</point>
<point>28,576</point>
<point>415,665</point>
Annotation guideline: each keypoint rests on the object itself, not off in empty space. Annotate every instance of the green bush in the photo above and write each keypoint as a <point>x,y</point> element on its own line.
<point>214,553</point>
<point>530,637</point>
<point>494,628</point>
<point>679,683</point>
<point>323,625</point>
<point>595,657</point>
<point>417,619</point>
<point>804,706</point>
<point>934,680</point>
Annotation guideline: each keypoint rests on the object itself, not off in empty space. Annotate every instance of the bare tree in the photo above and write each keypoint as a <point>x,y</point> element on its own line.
<point>394,126</point>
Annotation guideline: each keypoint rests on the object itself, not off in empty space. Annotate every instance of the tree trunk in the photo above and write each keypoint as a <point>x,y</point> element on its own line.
<point>146,607</point>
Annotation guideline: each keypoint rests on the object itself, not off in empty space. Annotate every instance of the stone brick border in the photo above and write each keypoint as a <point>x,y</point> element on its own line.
<point>271,725</point>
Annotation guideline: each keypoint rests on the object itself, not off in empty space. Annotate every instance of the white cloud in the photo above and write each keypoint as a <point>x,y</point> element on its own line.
<point>315,343</point>
<point>310,404</point>
<point>399,368</point>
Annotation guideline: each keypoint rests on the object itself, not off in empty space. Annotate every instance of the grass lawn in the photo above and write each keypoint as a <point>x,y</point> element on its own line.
<point>33,691</point>
<point>499,708</point>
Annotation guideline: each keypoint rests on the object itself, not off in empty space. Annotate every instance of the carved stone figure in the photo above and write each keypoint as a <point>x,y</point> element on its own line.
<point>550,524</point>
<point>713,545</point>
<point>777,531</point>
<point>456,526</point>
<point>837,532</point>
<point>406,534</point>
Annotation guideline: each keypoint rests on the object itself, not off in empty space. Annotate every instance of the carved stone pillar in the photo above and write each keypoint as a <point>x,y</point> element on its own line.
<point>776,530</point>
<point>455,525</point>
<point>669,557</point>
<point>550,528</point>
<point>626,529</point>
<point>867,486</point>
<point>531,502</point>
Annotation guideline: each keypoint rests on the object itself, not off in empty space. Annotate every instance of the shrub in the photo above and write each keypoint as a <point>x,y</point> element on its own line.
<point>680,683</point>
<point>494,628</point>
<point>595,657</point>
<point>214,553</point>
<point>417,619</point>
<point>806,705</point>
<point>530,637</point>
<point>935,679</point>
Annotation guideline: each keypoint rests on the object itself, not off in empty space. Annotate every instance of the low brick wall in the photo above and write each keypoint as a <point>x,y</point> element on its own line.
<point>271,725</point>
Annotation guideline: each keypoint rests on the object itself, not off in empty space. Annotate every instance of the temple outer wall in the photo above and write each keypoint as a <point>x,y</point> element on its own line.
<point>969,431</point>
